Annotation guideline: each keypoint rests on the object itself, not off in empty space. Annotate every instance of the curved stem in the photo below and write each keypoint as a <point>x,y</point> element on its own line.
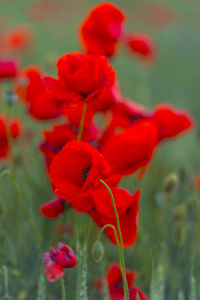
<point>115,233</point>
<point>122,261</point>
<point>81,126</point>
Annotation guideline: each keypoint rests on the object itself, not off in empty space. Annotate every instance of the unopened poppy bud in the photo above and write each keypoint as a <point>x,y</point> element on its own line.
<point>170,183</point>
<point>97,251</point>
<point>10,98</point>
<point>179,234</point>
<point>179,213</point>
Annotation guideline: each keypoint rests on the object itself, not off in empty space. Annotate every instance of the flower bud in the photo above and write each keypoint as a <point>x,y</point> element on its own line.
<point>179,234</point>
<point>97,251</point>
<point>170,183</point>
<point>179,212</point>
<point>10,98</point>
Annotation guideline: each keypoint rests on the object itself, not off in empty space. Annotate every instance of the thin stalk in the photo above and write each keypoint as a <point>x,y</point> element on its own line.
<point>63,288</point>
<point>116,237</point>
<point>81,126</point>
<point>122,261</point>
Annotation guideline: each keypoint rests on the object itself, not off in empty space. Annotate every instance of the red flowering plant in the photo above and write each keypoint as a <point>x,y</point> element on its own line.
<point>9,130</point>
<point>102,32</point>
<point>94,137</point>
<point>8,69</point>
<point>114,283</point>
<point>58,259</point>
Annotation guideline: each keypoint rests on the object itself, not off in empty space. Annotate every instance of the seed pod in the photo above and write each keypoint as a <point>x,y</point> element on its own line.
<point>10,98</point>
<point>179,212</point>
<point>97,251</point>
<point>179,234</point>
<point>170,183</point>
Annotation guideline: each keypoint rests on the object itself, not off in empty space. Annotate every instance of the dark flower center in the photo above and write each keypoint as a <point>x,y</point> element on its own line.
<point>118,284</point>
<point>85,172</point>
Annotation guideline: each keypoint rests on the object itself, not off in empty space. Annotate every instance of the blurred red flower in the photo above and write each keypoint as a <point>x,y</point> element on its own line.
<point>17,39</point>
<point>102,29</point>
<point>53,208</point>
<point>115,284</point>
<point>14,128</point>
<point>8,69</point>
<point>57,259</point>
<point>28,82</point>
<point>142,46</point>
<point>170,121</point>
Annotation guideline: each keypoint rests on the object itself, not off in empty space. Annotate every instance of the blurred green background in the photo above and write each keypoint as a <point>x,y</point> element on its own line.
<point>175,79</point>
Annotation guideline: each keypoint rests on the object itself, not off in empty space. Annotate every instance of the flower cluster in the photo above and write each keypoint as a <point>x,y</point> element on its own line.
<point>97,137</point>
<point>103,31</point>
<point>58,259</point>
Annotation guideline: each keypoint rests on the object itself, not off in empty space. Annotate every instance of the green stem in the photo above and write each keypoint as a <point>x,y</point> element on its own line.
<point>122,260</point>
<point>23,205</point>
<point>115,233</point>
<point>80,130</point>
<point>5,272</point>
<point>116,237</point>
<point>63,288</point>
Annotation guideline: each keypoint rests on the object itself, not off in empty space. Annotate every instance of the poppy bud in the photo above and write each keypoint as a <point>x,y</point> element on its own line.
<point>179,213</point>
<point>10,98</point>
<point>179,234</point>
<point>170,183</point>
<point>97,251</point>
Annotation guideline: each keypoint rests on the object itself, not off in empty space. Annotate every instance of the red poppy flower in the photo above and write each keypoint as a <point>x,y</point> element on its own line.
<point>171,122</point>
<point>45,106</point>
<point>107,100</point>
<point>8,69</point>
<point>83,76</point>
<point>59,135</point>
<point>15,130</point>
<point>124,113</point>
<point>17,39</point>
<point>53,208</point>
<point>131,149</point>
<point>28,82</point>
<point>115,284</point>
<point>142,46</point>
<point>76,170</point>
<point>127,208</point>
<point>102,29</point>
<point>57,259</point>
<point>53,271</point>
